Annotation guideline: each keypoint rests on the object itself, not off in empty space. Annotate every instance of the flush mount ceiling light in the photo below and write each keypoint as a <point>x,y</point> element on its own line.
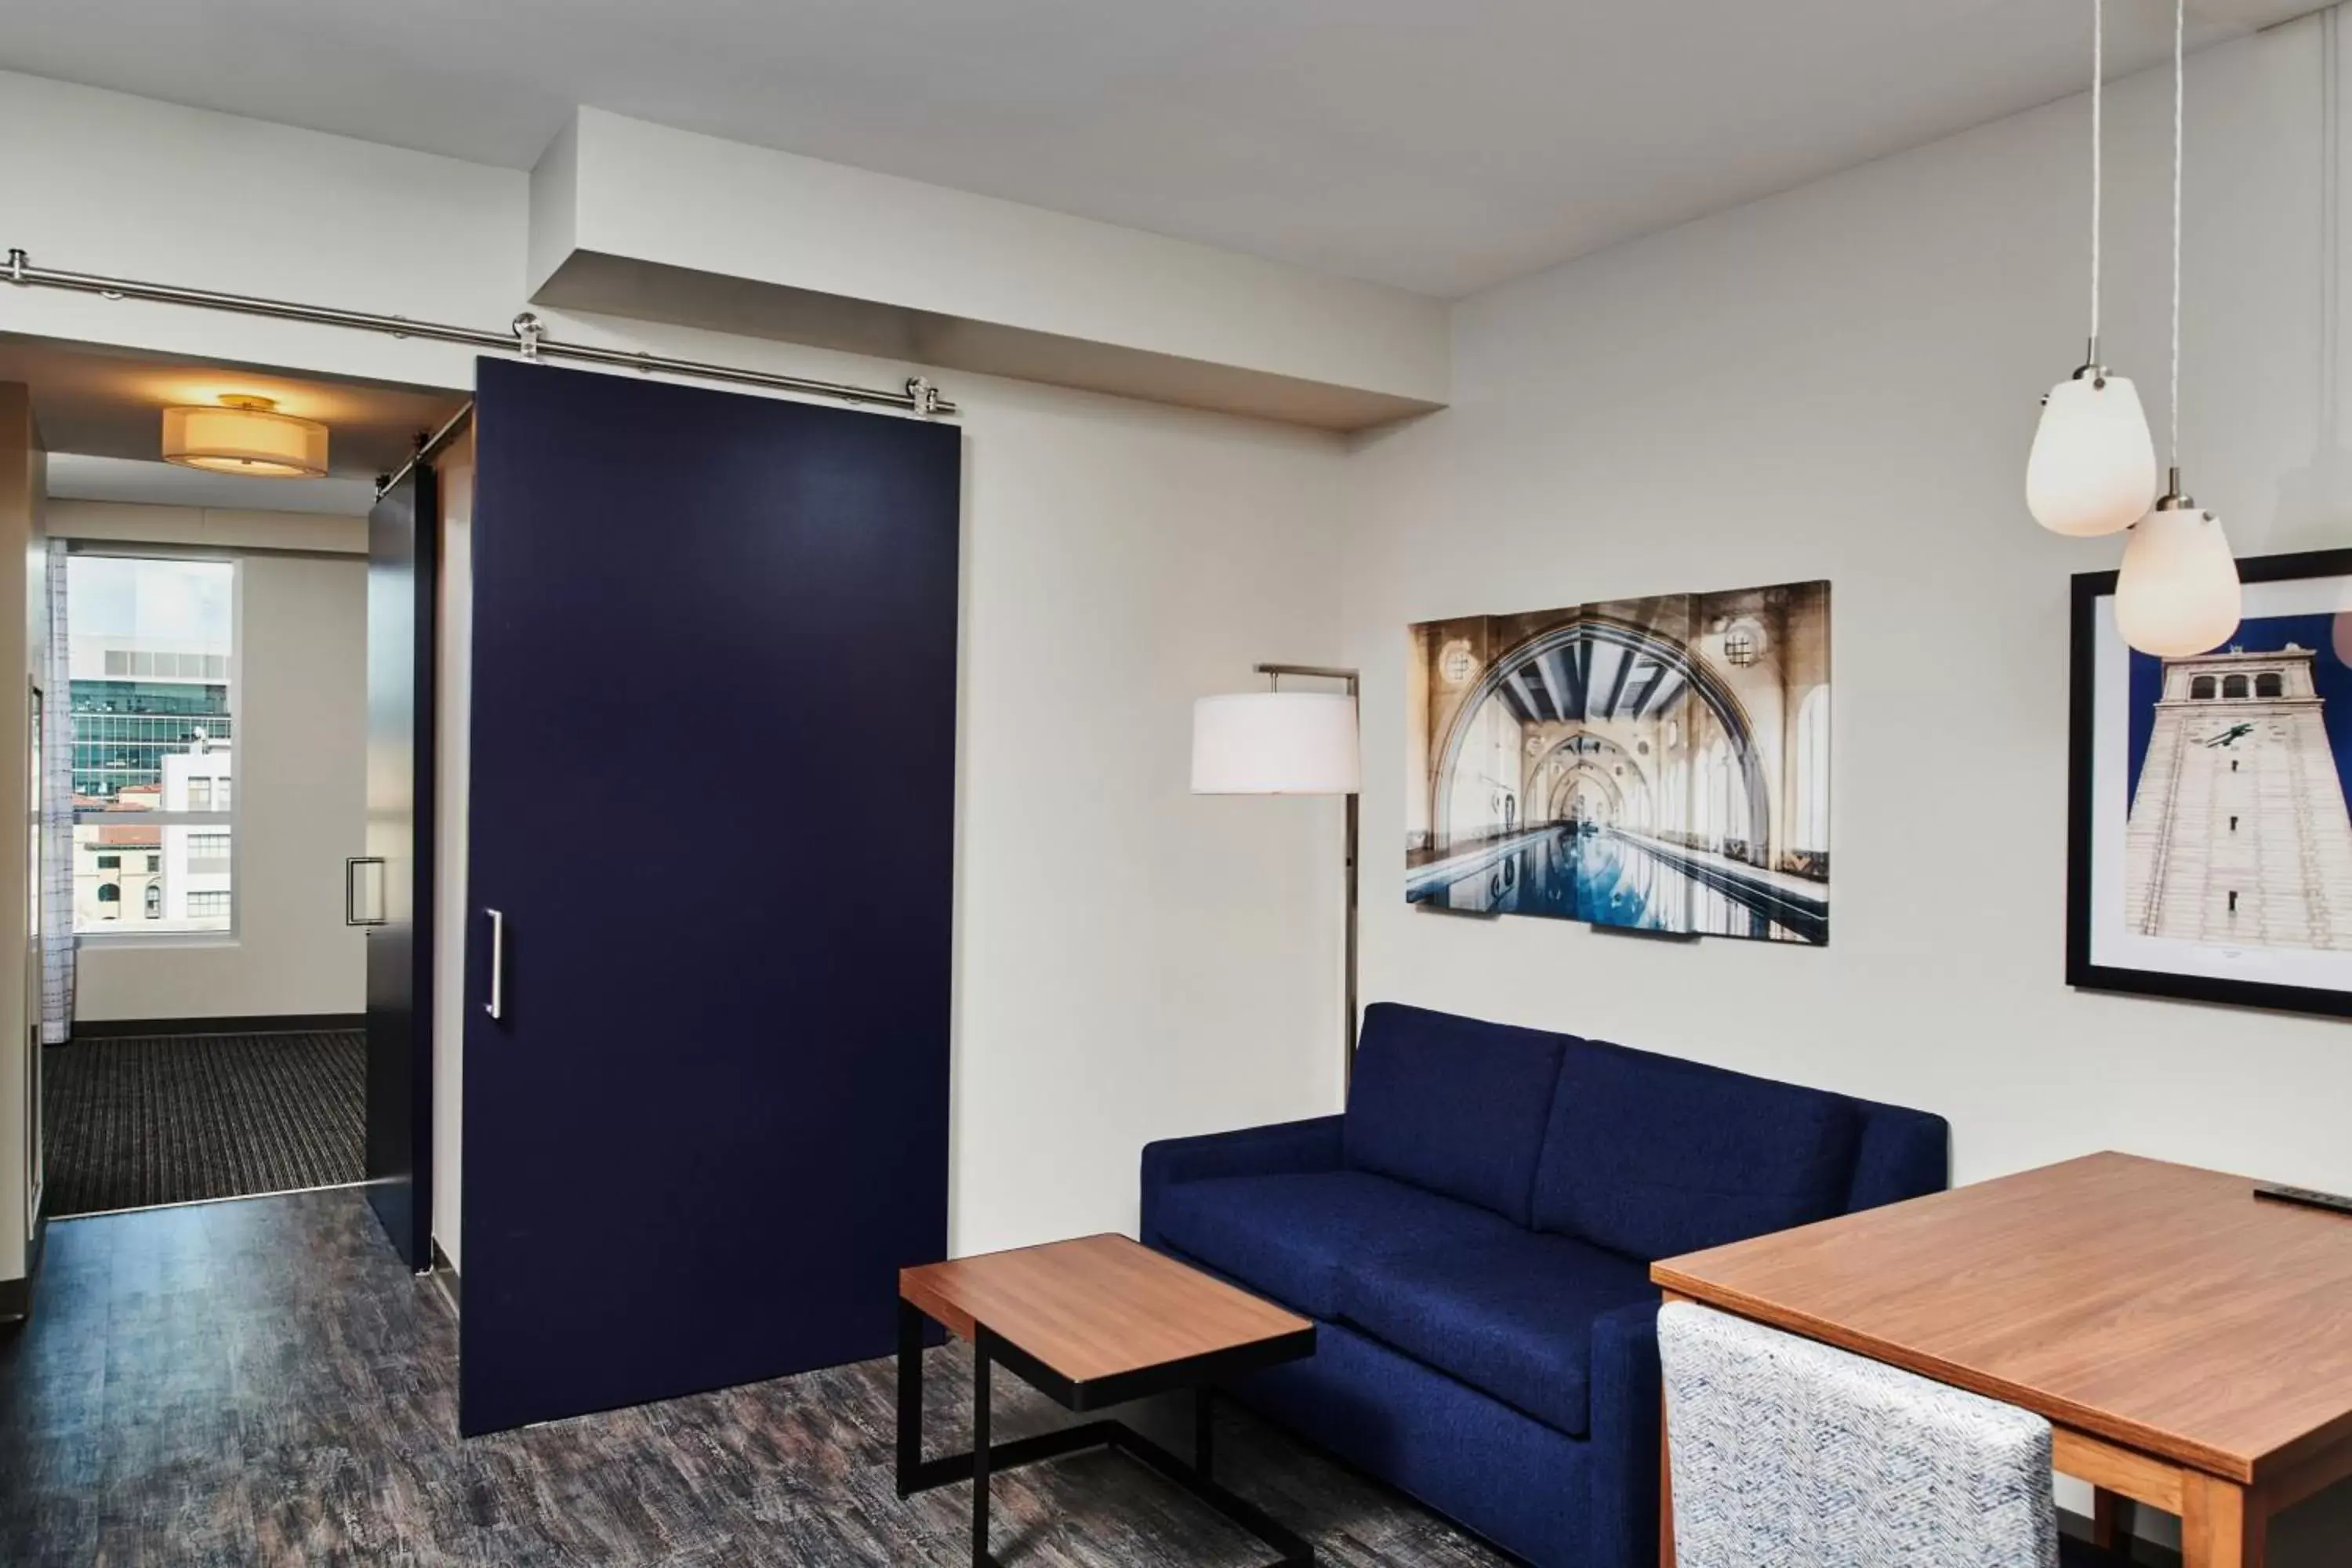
<point>2093,467</point>
<point>2178,593</point>
<point>245,434</point>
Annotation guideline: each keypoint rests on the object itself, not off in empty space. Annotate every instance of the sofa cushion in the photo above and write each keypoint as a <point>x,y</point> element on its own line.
<point>1652,1155</point>
<point>1452,1104</point>
<point>1510,1315</point>
<point>1293,1237</point>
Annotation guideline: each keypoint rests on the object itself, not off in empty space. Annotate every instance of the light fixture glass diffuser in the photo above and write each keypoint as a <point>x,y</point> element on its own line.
<point>1276,742</point>
<point>246,435</point>
<point>2178,593</point>
<point>2093,467</point>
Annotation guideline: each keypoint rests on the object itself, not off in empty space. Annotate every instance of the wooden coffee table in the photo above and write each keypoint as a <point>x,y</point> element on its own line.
<point>1089,1323</point>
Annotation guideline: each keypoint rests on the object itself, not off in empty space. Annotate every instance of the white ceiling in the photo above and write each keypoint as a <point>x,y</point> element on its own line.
<point>100,414</point>
<point>1439,146</point>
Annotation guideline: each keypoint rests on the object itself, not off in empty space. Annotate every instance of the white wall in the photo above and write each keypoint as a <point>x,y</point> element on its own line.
<point>301,778</point>
<point>1132,962</point>
<point>1842,382</point>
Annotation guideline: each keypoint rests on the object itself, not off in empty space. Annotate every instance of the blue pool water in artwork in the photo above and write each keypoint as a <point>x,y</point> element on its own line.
<point>1588,876</point>
<point>1635,882</point>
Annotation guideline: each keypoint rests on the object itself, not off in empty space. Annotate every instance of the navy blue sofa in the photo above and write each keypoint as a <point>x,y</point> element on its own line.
<point>1474,1239</point>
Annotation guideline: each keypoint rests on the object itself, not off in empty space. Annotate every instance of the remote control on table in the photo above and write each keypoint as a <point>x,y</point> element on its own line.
<point>2308,1198</point>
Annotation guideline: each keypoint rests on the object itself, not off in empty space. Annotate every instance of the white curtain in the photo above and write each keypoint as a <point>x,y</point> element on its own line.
<point>57,817</point>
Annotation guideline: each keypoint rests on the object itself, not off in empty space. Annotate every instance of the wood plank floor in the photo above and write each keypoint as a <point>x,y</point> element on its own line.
<point>261,1383</point>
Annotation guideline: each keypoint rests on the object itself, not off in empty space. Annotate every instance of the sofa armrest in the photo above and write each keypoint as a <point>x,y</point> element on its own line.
<point>1282,1149</point>
<point>1626,1390</point>
<point>1904,1154</point>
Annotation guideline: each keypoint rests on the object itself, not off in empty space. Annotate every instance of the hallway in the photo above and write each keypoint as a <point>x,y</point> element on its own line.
<point>259,1382</point>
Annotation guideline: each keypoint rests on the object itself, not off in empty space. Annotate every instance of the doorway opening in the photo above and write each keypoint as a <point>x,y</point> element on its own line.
<point>198,981</point>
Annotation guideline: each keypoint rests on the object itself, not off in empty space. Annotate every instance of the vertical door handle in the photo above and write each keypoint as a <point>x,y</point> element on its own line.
<point>495,1007</point>
<point>352,863</point>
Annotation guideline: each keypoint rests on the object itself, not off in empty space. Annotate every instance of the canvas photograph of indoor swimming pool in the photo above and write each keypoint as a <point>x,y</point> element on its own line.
<point>1658,764</point>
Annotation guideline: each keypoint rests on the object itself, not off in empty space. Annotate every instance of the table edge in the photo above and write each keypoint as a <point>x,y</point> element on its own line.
<point>2171,1446</point>
<point>1292,1340</point>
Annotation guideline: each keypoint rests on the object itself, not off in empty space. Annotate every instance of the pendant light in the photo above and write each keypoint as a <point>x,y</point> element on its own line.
<point>2178,593</point>
<point>2093,467</point>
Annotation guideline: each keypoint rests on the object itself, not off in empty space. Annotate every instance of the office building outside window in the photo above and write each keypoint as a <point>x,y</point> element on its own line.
<point>152,651</point>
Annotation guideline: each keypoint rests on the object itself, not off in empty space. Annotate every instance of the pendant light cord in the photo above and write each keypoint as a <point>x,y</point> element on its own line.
<point>2099,174</point>
<point>2179,98</point>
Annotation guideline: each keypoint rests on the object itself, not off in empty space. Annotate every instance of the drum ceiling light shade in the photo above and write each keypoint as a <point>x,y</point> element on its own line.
<point>1276,742</point>
<point>246,435</point>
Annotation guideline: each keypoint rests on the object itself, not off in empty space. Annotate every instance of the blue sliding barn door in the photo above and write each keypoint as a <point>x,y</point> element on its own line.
<point>710,854</point>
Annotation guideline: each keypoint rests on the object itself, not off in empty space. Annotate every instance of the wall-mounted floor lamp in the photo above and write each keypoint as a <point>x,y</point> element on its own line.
<point>1287,743</point>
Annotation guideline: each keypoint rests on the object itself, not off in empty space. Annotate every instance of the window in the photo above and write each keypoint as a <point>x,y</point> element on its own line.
<point>2233,686</point>
<point>1739,646</point>
<point>2268,684</point>
<point>151,645</point>
<point>2201,687</point>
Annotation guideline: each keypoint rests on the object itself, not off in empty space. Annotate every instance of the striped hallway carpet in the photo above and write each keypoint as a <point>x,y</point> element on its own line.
<point>136,1122</point>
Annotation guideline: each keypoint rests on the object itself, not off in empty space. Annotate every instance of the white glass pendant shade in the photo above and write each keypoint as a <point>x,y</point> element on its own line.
<point>2178,593</point>
<point>2093,467</point>
<point>1275,742</point>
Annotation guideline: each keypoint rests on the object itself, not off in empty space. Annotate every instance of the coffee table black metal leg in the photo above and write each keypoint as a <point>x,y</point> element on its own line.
<point>1204,1428</point>
<point>917,1474</point>
<point>910,1397</point>
<point>981,1345</point>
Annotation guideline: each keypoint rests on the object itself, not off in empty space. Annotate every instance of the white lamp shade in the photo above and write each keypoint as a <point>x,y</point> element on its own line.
<point>2178,592</point>
<point>1275,742</point>
<point>2093,467</point>
<point>243,437</point>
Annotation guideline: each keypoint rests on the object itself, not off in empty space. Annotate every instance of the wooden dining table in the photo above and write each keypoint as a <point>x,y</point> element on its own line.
<point>2190,1344</point>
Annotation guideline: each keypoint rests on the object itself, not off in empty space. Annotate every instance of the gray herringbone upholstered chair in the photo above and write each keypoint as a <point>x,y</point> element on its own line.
<point>1789,1454</point>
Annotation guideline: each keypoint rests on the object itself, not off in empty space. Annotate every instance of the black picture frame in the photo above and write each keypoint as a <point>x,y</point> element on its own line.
<point>2089,588</point>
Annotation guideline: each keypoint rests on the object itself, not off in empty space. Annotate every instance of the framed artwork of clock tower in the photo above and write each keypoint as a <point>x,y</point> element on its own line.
<point>2210,841</point>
